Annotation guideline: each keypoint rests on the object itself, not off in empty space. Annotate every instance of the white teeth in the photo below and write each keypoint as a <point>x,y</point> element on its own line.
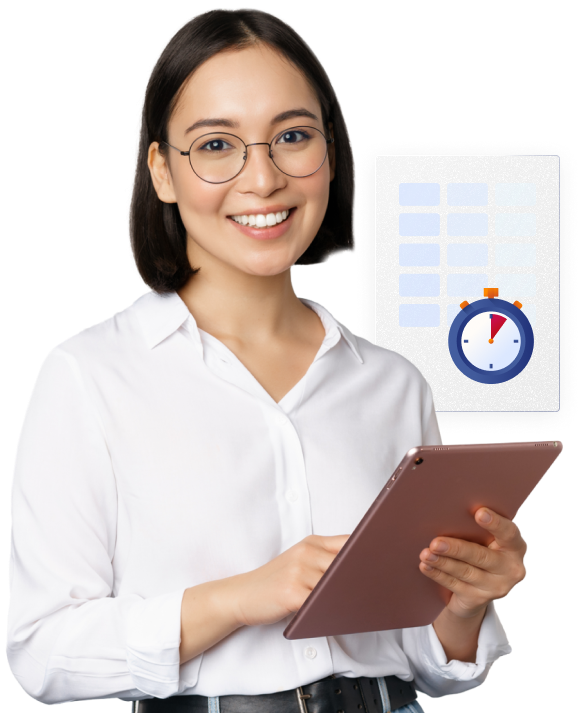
<point>261,221</point>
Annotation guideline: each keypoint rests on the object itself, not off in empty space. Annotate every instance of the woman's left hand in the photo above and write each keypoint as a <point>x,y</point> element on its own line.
<point>476,574</point>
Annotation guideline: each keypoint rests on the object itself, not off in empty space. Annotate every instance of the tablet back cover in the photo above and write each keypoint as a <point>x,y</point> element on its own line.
<point>374,583</point>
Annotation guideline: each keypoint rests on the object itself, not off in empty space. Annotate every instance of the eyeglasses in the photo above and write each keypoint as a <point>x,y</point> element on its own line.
<point>219,157</point>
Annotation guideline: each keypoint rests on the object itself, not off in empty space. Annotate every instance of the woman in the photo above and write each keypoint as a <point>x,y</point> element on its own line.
<point>189,468</point>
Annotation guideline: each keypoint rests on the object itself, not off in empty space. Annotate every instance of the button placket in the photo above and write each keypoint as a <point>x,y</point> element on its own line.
<point>291,496</point>
<point>310,652</point>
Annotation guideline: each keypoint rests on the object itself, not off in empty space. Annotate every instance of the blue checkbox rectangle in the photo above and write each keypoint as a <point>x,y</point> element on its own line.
<point>419,194</point>
<point>412,285</point>
<point>467,254</point>
<point>513,194</point>
<point>467,224</point>
<point>464,285</point>
<point>419,224</point>
<point>419,254</point>
<point>467,194</point>
<point>515,225</point>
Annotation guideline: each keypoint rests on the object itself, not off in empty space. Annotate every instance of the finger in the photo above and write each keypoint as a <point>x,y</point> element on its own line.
<point>506,534</point>
<point>486,589</point>
<point>469,596</point>
<point>331,543</point>
<point>465,572</point>
<point>470,552</point>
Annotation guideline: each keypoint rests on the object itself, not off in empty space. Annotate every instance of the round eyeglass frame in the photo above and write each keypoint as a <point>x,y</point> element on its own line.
<point>262,143</point>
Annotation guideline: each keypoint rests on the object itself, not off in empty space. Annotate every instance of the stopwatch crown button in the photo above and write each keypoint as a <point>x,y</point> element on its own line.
<point>490,292</point>
<point>518,304</point>
<point>464,304</point>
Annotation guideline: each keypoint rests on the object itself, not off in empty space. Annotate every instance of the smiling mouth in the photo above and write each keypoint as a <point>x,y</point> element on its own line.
<point>261,220</point>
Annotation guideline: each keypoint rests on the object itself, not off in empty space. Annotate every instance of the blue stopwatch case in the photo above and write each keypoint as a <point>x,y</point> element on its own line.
<point>491,340</point>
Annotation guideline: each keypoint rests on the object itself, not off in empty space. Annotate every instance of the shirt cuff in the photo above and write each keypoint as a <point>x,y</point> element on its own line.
<point>153,641</point>
<point>492,643</point>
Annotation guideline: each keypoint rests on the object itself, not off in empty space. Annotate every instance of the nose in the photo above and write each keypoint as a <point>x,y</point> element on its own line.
<point>260,175</point>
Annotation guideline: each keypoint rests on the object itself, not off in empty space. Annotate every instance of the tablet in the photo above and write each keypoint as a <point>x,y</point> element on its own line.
<point>374,583</point>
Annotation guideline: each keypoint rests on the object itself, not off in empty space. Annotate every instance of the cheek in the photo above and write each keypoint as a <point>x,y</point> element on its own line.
<point>323,181</point>
<point>199,202</point>
<point>316,188</point>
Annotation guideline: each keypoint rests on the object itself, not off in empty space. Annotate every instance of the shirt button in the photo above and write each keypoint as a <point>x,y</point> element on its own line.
<point>291,496</point>
<point>310,652</point>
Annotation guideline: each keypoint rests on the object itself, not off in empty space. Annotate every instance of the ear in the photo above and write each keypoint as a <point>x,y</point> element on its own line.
<point>161,174</point>
<point>331,154</point>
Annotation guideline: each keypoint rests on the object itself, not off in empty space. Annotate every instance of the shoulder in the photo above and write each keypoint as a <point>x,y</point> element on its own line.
<point>107,340</point>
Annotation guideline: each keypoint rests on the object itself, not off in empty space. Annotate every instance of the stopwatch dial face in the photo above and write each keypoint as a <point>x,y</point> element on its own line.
<point>491,341</point>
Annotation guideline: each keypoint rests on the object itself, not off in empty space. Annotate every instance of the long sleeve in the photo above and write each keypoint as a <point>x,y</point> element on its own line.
<point>437,676</point>
<point>69,638</point>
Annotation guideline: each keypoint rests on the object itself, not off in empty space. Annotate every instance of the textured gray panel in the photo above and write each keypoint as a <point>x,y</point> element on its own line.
<point>537,387</point>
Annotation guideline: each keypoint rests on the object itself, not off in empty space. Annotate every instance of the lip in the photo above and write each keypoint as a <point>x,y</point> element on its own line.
<point>275,231</point>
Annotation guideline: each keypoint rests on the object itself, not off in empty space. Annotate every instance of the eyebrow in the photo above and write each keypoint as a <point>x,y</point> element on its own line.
<point>283,116</point>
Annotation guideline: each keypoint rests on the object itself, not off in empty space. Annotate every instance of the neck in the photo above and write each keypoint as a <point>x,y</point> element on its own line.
<point>231,304</point>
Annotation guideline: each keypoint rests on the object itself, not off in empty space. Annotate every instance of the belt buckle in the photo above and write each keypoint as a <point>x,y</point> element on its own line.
<point>302,697</point>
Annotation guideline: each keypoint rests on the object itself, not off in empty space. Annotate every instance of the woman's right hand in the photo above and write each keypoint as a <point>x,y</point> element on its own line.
<point>276,589</point>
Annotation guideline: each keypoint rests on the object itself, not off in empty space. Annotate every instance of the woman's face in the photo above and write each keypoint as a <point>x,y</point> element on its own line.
<point>248,89</point>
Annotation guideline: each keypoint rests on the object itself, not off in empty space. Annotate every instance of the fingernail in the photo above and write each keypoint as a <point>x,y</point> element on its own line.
<point>432,558</point>
<point>485,517</point>
<point>427,567</point>
<point>441,547</point>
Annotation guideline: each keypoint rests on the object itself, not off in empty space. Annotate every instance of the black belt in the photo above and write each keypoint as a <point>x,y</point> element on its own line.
<point>330,695</point>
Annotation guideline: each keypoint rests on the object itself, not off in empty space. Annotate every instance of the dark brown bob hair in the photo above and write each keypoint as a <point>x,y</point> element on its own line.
<point>158,236</point>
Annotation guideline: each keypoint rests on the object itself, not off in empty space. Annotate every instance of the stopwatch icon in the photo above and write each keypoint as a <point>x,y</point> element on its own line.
<point>491,341</point>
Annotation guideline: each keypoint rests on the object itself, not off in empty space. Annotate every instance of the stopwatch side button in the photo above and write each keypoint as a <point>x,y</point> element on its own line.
<point>464,304</point>
<point>518,304</point>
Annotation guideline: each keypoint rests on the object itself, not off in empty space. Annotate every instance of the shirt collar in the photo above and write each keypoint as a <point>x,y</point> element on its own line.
<point>163,314</point>
<point>334,330</point>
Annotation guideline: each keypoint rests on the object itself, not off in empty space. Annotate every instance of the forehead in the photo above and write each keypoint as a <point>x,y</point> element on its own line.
<point>249,85</point>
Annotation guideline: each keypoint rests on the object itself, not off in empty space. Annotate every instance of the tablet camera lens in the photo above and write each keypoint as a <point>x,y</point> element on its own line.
<point>418,461</point>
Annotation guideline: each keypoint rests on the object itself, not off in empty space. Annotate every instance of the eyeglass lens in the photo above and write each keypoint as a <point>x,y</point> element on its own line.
<point>298,152</point>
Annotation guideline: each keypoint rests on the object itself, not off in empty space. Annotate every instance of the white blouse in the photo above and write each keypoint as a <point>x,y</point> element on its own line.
<point>151,460</point>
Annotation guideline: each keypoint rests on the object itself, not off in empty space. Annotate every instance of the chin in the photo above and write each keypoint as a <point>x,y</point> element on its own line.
<point>270,267</point>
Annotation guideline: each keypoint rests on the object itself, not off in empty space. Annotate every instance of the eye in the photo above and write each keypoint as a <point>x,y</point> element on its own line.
<point>293,136</point>
<point>215,145</point>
